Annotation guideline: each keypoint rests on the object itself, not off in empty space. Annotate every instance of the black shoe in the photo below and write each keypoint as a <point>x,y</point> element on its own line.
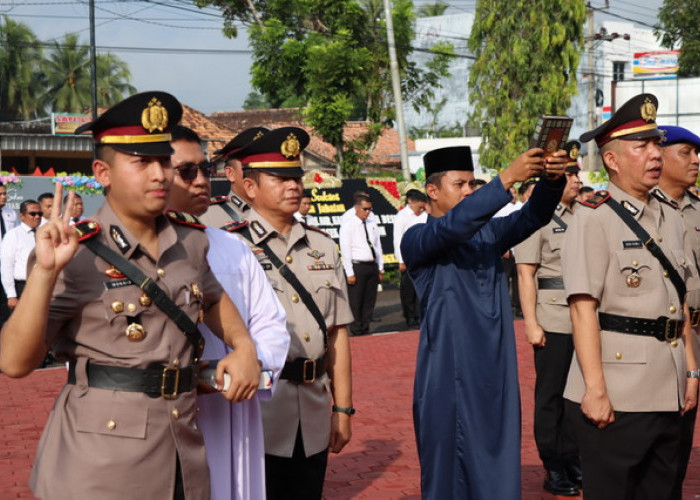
<point>575,475</point>
<point>558,483</point>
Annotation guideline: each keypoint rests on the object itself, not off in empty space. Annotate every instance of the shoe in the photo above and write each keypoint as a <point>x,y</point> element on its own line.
<point>575,475</point>
<point>558,483</point>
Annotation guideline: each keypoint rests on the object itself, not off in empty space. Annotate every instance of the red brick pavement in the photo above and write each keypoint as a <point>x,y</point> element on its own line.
<point>379,463</point>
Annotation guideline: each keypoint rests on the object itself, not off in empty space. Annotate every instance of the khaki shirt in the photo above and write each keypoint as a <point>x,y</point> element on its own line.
<point>313,257</point>
<point>217,216</point>
<point>543,248</point>
<point>101,443</point>
<point>600,252</point>
<point>689,209</point>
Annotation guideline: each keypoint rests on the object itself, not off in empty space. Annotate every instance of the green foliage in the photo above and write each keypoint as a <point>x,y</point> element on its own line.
<point>680,26</point>
<point>19,51</point>
<point>599,176</point>
<point>432,9</point>
<point>527,53</point>
<point>331,56</point>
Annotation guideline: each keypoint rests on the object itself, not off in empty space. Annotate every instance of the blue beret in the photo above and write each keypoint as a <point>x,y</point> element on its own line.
<point>675,135</point>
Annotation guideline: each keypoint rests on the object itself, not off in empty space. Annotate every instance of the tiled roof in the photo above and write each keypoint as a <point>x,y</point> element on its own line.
<point>214,133</point>
<point>388,143</point>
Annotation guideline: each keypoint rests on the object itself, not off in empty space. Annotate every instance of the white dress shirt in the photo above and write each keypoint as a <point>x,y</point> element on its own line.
<point>10,218</point>
<point>14,252</point>
<point>403,220</point>
<point>233,433</point>
<point>353,243</point>
<point>311,220</point>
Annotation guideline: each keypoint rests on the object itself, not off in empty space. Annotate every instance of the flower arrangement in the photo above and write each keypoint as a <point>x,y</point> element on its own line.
<point>79,183</point>
<point>10,179</point>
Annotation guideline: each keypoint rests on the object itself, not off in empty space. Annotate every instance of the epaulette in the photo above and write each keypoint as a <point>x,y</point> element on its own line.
<point>185,219</point>
<point>596,200</point>
<point>314,228</point>
<point>217,200</point>
<point>656,193</point>
<point>692,195</point>
<point>86,229</point>
<point>234,226</point>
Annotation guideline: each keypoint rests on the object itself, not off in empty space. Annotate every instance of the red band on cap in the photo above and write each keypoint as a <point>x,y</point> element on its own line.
<point>267,157</point>
<point>130,130</point>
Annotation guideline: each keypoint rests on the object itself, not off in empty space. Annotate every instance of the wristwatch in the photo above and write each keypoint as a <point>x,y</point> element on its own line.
<point>342,409</point>
<point>693,373</point>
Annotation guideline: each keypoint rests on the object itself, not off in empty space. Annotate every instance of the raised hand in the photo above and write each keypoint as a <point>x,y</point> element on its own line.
<point>56,241</point>
<point>529,164</point>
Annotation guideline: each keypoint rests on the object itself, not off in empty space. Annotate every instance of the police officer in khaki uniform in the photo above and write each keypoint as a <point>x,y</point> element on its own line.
<point>548,329</point>
<point>627,384</point>
<point>235,206</point>
<point>125,421</point>
<point>298,422</point>
<point>680,157</point>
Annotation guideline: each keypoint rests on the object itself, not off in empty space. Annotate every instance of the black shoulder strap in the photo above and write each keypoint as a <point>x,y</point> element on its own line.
<point>291,278</point>
<point>230,211</point>
<point>559,221</point>
<point>651,245</point>
<point>157,295</point>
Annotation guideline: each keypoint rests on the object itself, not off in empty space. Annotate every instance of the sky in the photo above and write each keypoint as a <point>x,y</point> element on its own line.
<point>176,47</point>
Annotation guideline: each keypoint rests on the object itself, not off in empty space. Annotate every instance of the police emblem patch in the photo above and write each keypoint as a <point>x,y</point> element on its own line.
<point>315,254</point>
<point>155,116</point>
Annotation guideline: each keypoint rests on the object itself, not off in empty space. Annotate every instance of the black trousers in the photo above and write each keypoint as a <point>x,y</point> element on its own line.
<point>409,300</point>
<point>687,431</point>
<point>554,436</point>
<point>296,478</point>
<point>363,296</point>
<point>634,458</point>
<point>510,270</point>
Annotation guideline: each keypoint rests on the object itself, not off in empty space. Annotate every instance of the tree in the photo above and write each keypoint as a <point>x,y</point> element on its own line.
<point>331,56</point>
<point>19,54</point>
<point>113,77</point>
<point>680,27</point>
<point>526,54</point>
<point>432,9</point>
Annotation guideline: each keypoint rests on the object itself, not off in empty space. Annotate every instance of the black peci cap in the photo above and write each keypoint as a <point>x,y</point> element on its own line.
<point>242,139</point>
<point>278,152</point>
<point>636,119</point>
<point>572,149</point>
<point>138,125</point>
<point>444,159</point>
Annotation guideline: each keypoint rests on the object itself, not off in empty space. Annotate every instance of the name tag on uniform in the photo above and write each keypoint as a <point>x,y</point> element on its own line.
<point>558,229</point>
<point>266,266</point>
<point>111,285</point>
<point>632,244</point>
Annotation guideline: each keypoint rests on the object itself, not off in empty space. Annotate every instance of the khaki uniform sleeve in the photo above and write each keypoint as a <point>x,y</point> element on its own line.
<point>530,250</point>
<point>585,255</point>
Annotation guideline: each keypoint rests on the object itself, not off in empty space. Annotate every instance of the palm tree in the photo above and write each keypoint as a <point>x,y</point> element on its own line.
<point>113,78</point>
<point>19,57</point>
<point>432,9</point>
<point>67,76</point>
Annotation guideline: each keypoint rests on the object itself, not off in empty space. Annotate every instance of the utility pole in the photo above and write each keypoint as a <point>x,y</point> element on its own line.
<point>93,60</point>
<point>396,84</point>
<point>591,84</point>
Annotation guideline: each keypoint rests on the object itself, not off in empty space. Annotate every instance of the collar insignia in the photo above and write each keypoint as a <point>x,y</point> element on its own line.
<point>257,227</point>
<point>119,238</point>
<point>630,208</point>
<point>237,201</point>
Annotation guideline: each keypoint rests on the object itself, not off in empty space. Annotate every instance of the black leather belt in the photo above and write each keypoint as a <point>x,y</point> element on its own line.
<point>363,262</point>
<point>550,283</point>
<point>694,317</point>
<point>156,380</point>
<point>304,370</point>
<point>663,328</point>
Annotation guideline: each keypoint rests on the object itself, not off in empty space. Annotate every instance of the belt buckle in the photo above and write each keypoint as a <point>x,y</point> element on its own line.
<point>312,363</point>
<point>694,317</point>
<point>163,381</point>
<point>671,332</point>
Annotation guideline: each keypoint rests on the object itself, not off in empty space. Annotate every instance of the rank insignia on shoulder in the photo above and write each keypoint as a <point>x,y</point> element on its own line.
<point>185,219</point>
<point>217,200</point>
<point>656,193</point>
<point>630,208</point>
<point>86,229</point>
<point>314,228</point>
<point>597,199</point>
<point>234,226</point>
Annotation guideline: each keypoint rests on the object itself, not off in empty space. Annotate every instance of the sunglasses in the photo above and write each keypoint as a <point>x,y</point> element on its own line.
<point>188,171</point>
<point>34,214</point>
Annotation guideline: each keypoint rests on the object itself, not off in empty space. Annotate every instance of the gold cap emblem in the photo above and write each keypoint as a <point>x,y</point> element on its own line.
<point>290,147</point>
<point>155,116</point>
<point>573,154</point>
<point>258,135</point>
<point>648,111</point>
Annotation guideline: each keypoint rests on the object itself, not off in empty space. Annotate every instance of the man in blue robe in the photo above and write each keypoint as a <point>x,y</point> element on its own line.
<point>466,404</point>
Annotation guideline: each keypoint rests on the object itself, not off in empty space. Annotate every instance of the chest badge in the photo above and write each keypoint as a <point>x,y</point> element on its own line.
<point>315,254</point>
<point>633,279</point>
<point>114,273</point>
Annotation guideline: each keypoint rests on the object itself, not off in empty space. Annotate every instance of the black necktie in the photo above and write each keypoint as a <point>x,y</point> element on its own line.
<point>303,218</point>
<point>374,255</point>
<point>2,225</point>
